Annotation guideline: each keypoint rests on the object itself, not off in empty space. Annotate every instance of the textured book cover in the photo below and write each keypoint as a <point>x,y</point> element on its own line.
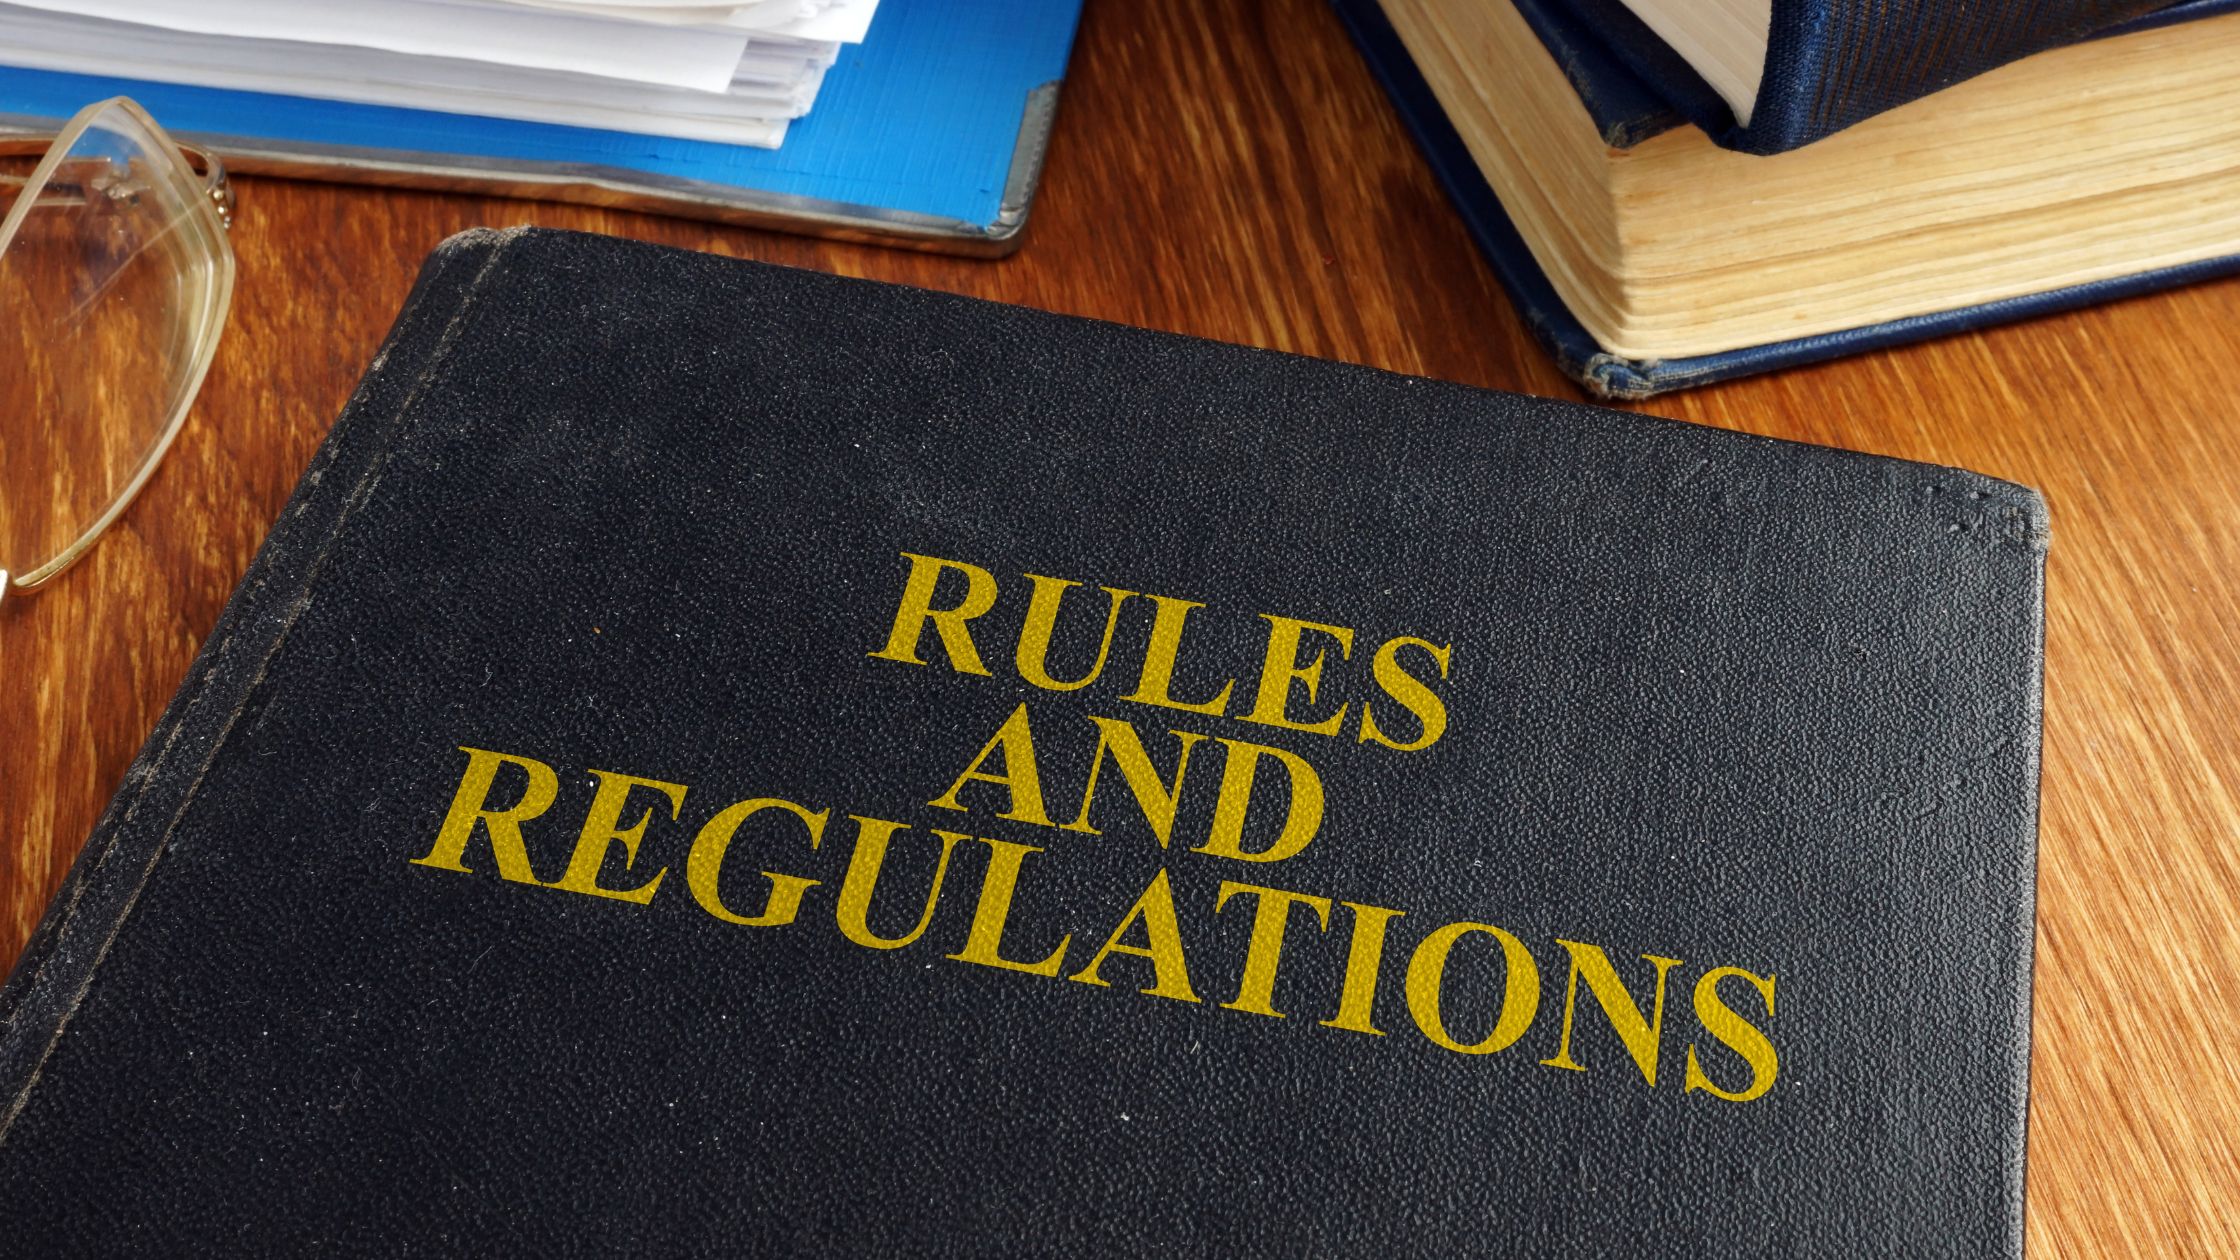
<point>717,759</point>
<point>1832,63</point>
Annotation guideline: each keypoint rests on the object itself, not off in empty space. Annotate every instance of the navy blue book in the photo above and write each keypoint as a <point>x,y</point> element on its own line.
<point>1652,244</point>
<point>720,760</point>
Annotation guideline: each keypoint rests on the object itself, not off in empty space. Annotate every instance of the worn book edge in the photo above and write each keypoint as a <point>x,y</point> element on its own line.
<point>59,963</point>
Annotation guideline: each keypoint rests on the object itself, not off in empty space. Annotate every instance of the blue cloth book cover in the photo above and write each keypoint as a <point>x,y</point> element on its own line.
<point>1832,63</point>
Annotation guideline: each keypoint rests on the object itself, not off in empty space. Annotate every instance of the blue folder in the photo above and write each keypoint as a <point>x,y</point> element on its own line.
<point>1627,110</point>
<point>930,132</point>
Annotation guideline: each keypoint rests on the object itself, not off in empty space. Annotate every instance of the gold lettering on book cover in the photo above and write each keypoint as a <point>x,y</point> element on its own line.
<point>1310,682</point>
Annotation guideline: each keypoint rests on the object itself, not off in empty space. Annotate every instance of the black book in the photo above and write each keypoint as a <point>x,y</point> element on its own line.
<point>717,759</point>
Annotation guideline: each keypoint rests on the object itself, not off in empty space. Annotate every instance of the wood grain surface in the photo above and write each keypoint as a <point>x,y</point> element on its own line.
<point>1231,171</point>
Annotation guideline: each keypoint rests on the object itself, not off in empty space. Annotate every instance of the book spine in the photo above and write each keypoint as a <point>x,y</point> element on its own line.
<point>1832,63</point>
<point>59,964</point>
<point>1626,110</point>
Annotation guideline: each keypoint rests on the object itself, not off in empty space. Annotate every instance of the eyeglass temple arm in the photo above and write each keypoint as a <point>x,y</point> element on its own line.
<point>215,185</point>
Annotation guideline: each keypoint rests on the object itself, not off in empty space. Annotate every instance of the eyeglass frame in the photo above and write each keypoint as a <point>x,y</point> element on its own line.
<point>216,185</point>
<point>215,182</point>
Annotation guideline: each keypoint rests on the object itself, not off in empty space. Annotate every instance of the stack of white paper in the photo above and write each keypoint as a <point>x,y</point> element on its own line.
<point>734,73</point>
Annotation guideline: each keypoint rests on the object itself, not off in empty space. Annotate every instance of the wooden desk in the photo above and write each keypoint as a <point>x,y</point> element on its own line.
<point>1232,171</point>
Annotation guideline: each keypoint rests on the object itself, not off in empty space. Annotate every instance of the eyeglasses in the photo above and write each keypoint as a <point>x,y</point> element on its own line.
<point>115,276</point>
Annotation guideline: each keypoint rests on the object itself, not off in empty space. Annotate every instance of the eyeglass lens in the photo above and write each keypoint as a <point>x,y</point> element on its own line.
<point>112,290</point>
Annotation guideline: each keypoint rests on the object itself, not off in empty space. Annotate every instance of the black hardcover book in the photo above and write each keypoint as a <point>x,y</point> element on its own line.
<point>717,759</point>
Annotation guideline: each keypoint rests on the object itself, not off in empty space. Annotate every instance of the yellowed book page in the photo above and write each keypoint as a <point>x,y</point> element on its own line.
<point>1725,40</point>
